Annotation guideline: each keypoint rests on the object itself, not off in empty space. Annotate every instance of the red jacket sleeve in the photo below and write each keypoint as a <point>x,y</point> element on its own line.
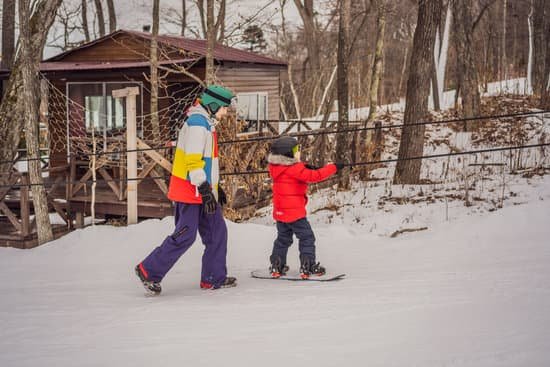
<point>301,173</point>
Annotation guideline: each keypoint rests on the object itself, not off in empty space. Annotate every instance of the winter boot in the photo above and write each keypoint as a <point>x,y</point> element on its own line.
<point>227,283</point>
<point>277,268</point>
<point>309,268</point>
<point>152,288</point>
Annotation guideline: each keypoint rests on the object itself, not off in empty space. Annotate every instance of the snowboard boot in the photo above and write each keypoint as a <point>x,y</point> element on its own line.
<point>309,268</point>
<point>227,283</point>
<point>277,268</point>
<point>152,288</point>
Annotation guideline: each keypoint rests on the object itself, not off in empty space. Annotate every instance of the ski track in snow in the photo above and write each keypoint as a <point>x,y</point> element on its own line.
<point>472,292</point>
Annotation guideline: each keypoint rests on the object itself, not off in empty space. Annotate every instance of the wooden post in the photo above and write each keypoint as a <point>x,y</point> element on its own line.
<point>131,144</point>
<point>25,206</point>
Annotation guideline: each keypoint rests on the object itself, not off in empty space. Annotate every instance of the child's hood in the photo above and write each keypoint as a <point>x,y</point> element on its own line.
<point>279,164</point>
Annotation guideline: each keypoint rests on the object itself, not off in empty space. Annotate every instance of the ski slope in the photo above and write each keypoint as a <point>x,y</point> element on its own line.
<point>474,291</point>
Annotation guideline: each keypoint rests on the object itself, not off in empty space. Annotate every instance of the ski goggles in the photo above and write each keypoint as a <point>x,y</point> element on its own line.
<point>296,149</point>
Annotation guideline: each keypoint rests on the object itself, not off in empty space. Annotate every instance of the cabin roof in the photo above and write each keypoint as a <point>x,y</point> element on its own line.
<point>194,46</point>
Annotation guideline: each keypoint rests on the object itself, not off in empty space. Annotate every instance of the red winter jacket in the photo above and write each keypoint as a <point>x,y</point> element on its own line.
<point>290,179</point>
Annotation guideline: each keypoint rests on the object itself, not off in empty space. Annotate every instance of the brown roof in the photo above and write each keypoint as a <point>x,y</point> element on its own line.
<point>196,46</point>
<point>102,65</point>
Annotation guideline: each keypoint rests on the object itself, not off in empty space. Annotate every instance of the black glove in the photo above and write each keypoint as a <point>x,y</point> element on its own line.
<point>222,198</point>
<point>209,203</point>
<point>309,166</point>
<point>339,166</point>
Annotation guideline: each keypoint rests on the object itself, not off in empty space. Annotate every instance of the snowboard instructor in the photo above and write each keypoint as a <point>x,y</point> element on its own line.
<point>194,188</point>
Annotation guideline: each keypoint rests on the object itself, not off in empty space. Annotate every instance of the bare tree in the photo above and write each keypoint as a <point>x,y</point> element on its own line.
<point>28,108</point>
<point>68,16</point>
<point>342,149</point>
<point>504,26</point>
<point>211,41</point>
<point>307,13</point>
<point>154,73</point>
<point>545,94</point>
<point>11,122</point>
<point>407,171</point>
<point>112,15</point>
<point>377,64</point>
<point>8,33</point>
<point>218,22</point>
<point>100,17</point>
<point>541,53</point>
<point>466,66</point>
<point>183,18</point>
<point>84,15</point>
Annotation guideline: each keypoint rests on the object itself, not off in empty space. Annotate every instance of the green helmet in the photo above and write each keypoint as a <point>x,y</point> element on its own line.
<point>216,96</point>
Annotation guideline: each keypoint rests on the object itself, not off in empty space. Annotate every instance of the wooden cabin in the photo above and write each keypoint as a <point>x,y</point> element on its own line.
<point>84,118</point>
<point>87,75</point>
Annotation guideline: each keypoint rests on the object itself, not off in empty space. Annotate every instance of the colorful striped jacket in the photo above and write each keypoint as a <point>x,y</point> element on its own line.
<point>196,158</point>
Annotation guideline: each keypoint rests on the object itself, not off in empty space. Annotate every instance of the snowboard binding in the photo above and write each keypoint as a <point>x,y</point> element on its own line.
<point>277,268</point>
<point>309,268</point>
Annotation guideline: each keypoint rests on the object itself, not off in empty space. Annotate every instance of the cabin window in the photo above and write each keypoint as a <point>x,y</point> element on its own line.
<point>252,108</point>
<point>92,105</point>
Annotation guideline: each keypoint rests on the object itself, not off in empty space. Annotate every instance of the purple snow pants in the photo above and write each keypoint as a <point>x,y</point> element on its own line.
<point>190,218</point>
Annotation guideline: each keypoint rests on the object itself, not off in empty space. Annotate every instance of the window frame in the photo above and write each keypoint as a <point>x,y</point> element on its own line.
<point>258,120</point>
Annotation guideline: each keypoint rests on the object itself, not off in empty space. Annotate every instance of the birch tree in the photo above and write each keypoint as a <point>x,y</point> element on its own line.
<point>441,51</point>
<point>418,86</point>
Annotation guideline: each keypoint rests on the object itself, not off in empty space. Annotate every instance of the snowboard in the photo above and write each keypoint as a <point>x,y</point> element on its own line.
<point>295,276</point>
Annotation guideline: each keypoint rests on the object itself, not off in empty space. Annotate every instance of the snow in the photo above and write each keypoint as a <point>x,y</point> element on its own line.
<point>471,291</point>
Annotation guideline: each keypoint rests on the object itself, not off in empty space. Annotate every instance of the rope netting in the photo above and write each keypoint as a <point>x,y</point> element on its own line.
<point>87,112</point>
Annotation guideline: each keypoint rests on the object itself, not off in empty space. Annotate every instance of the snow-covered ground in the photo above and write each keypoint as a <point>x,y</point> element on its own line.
<point>473,291</point>
<point>469,286</point>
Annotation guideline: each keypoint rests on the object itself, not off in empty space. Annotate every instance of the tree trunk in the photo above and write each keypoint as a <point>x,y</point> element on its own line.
<point>418,87</point>
<point>154,74</point>
<point>100,17</point>
<point>220,22</point>
<point>307,14</point>
<point>503,45</point>
<point>11,122</point>
<point>8,33</point>
<point>545,100</point>
<point>529,78</point>
<point>377,64</point>
<point>467,73</point>
<point>84,14</point>
<point>29,102</point>
<point>112,15</point>
<point>183,18</point>
<point>540,50</point>
<point>211,41</point>
<point>342,148</point>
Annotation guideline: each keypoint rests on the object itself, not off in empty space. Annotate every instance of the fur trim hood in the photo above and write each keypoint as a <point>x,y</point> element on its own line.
<point>282,160</point>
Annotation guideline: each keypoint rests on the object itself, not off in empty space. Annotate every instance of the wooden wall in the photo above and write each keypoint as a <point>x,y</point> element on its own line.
<point>248,79</point>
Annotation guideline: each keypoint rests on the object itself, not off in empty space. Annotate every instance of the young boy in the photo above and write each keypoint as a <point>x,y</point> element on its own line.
<point>290,177</point>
